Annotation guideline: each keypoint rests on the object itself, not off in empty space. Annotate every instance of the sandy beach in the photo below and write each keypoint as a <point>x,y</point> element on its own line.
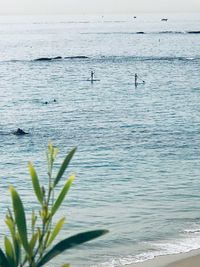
<point>190,259</point>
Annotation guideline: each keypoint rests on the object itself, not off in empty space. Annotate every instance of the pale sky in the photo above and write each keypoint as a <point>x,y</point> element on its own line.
<point>96,6</point>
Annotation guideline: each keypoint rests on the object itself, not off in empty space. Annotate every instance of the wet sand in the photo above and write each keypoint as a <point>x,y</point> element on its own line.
<point>190,259</point>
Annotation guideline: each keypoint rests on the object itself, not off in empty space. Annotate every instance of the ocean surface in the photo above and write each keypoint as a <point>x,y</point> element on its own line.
<point>137,164</point>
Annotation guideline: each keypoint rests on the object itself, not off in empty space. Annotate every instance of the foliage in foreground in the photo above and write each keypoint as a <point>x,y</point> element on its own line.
<point>33,246</point>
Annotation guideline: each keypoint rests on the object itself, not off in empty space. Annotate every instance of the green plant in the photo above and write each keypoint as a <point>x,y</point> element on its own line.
<point>32,246</point>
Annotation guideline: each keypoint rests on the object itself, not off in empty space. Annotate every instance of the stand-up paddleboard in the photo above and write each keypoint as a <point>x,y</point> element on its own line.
<point>94,80</point>
<point>136,80</point>
<point>140,83</point>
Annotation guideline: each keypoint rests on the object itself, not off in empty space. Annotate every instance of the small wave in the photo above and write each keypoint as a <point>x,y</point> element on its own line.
<point>190,241</point>
<point>114,21</point>
<point>4,133</point>
<point>66,22</point>
<point>197,89</point>
<point>171,32</point>
<point>141,58</point>
<point>142,32</point>
<point>63,22</point>
<point>191,231</point>
<point>113,33</point>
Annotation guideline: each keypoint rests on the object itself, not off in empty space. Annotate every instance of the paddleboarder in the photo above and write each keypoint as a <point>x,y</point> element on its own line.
<point>136,77</point>
<point>92,76</point>
<point>136,80</point>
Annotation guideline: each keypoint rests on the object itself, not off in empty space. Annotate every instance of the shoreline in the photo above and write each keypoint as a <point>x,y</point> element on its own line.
<point>188,259</point>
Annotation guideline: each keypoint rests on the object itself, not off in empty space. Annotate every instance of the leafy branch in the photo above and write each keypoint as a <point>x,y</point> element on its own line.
<point>36,249</point>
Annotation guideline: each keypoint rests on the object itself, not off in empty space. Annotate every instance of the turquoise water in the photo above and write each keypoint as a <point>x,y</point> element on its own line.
<point>137,162</point>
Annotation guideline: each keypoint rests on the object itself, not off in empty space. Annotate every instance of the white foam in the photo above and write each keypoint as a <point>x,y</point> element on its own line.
<point>187,242</point>
<point>192,231</point>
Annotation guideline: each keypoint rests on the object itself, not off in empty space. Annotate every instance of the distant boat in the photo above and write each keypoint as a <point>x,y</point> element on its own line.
<point>134,17</point>
<point>164,19</point>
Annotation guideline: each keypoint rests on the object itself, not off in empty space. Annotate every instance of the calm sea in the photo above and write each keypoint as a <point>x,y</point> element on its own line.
<point>137,164</point>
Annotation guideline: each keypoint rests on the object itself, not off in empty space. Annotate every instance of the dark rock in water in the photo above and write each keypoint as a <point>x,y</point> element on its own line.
<point>77,57</point>
<point>57,57</point>
<point>134,17</point>
<point>43,59</point>
<point>140,32</point>
<point>47,58</point>
<point>164,19</point>
<point>20,132</point>
<point>194,32</point>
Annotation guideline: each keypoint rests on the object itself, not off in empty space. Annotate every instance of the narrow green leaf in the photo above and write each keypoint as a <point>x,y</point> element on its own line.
<point>62,195</point>
<point>51,154</point>
<point>47,239</point>
<point>55,153</point>
<point>65,265</point>
<point>33,241</point>
<point>70,242</point>
<point>3,260</point>
<point>56,231</point>
<point>35,182</point>
<point>33,221</point>
<point>9,251</point>
<point>9,222</point>
<point>64,165</point>
<point>11,225</point>
<point>17,250</point>
<point>20,218</point>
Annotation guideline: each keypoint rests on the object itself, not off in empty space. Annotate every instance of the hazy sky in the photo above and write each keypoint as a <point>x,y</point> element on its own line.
<point>96,6</point>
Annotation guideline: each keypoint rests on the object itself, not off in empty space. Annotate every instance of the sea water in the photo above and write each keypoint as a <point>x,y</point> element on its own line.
<point>137,164</point>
